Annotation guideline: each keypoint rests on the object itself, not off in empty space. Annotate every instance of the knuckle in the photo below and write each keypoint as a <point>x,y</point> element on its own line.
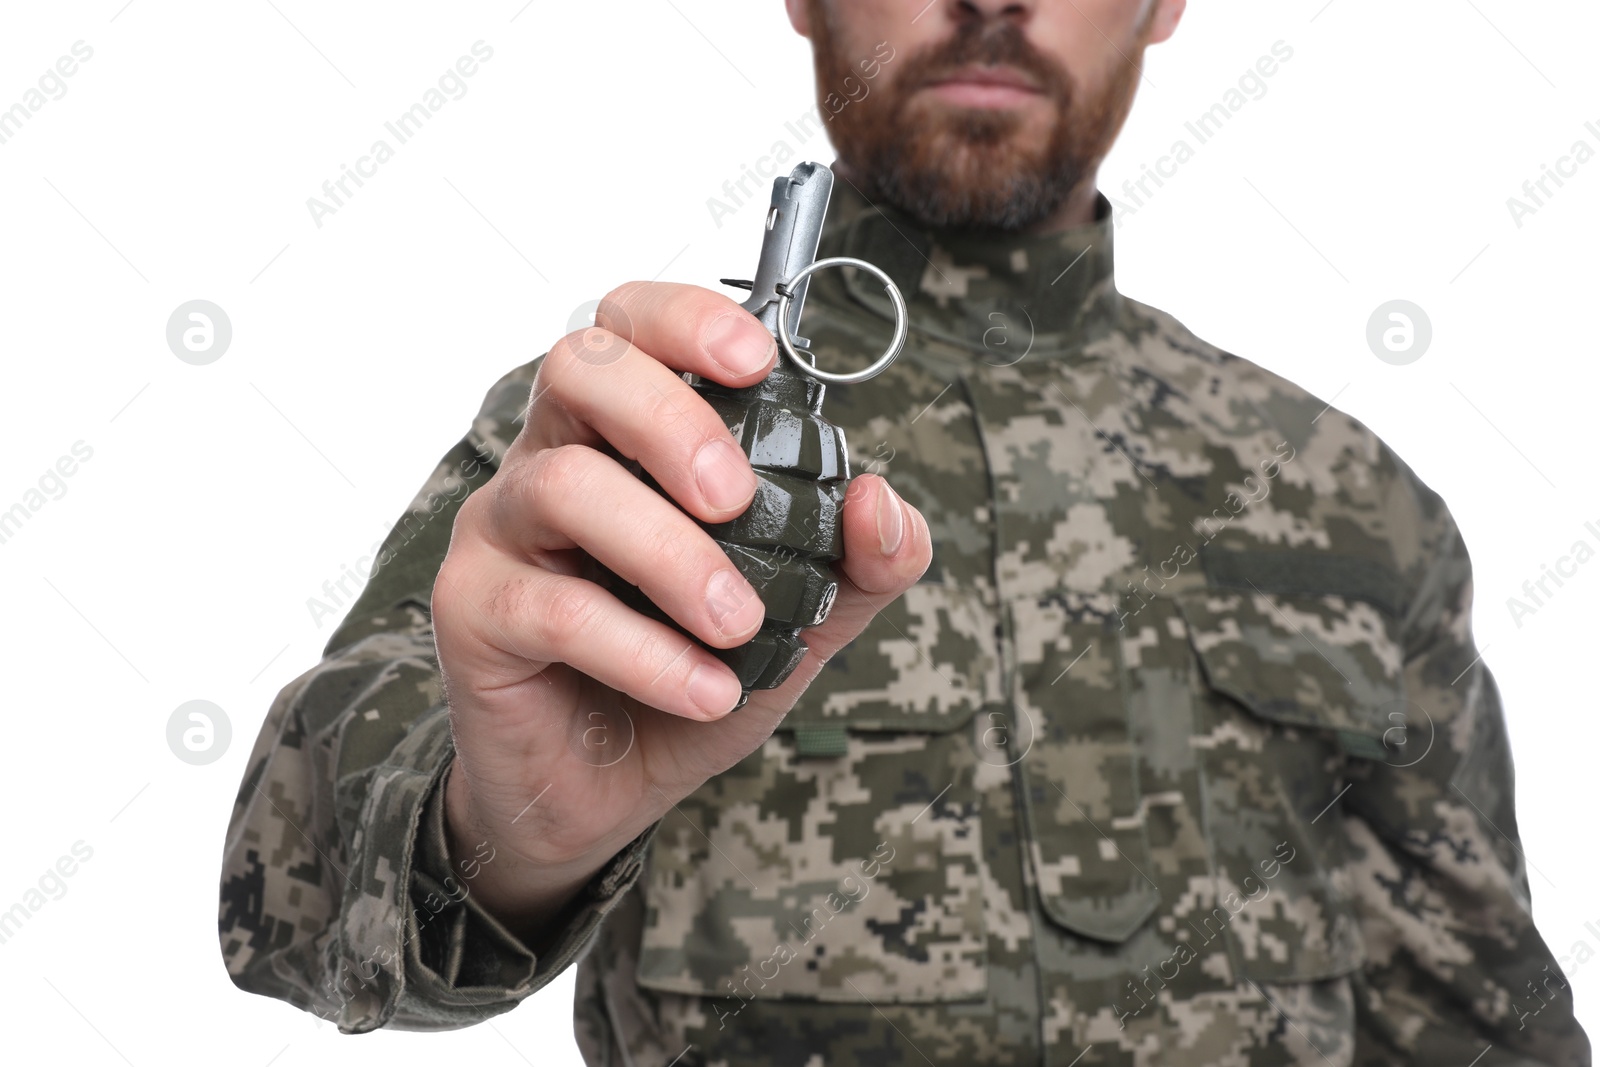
<point>525,498</point>
<point>677,561</point>
<point>558,362</point>
<point>541,379</point>
<point>573,352</point>
<point>564,610</point>
<point>651,647</point>
<point>471,517</point>
<point>613,312</point>
<point>671,414</point>
<point>509,602</point>
<point>683,417</point>
<point>555,473</point>
<point>510,490</point>
<point>623,294</point>
<point>446,592</point>
<point>547,611</point>
<point>677,553</point>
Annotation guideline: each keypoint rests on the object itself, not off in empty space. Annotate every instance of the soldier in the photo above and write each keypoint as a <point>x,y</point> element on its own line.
<point>1148,726</point>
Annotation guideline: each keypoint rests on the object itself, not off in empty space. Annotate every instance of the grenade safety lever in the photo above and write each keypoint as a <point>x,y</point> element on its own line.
<point>785,541</point>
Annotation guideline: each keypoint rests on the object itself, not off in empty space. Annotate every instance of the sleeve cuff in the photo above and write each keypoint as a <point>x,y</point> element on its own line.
<point>460,960</point>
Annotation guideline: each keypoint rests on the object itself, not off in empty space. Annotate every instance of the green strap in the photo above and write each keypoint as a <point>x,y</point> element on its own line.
<point>820,739</point>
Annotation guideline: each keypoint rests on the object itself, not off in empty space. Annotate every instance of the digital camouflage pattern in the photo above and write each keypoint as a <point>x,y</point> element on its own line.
<point>1180,753</point>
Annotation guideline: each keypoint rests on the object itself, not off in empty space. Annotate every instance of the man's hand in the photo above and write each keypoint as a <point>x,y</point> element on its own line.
<point>550,678</point>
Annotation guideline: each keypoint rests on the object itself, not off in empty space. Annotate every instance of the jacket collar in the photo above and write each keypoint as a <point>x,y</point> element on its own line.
<point>983,290</point>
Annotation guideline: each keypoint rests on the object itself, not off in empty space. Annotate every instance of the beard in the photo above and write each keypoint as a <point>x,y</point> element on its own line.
<point>971,168</point>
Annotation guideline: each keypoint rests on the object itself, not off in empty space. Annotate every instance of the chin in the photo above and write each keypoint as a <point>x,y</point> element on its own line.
<point>963,167</point>
<point>982,173</point>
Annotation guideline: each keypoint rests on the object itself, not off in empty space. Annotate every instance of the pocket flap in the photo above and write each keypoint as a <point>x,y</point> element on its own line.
<point>1323,662</point>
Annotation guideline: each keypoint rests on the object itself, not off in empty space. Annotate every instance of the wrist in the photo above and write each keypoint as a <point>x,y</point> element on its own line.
<point>525,894</point>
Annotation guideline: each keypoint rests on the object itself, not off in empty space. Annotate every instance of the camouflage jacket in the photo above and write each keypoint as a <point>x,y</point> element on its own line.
<point>1180,753</point>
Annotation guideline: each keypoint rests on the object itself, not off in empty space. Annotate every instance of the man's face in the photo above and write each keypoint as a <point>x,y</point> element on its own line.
<point>990,113</point>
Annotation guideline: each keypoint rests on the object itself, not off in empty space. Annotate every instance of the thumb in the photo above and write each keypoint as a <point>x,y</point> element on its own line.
<point>887,547</point>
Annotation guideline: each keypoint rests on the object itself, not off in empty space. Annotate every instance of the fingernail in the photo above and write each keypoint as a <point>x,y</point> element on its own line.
<point>739,344</point>
<point>723,475</point>
<point>891,520</point>
<point>713,692</point>
<point>734,607</point>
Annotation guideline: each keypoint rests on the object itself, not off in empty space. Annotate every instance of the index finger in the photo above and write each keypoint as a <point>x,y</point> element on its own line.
<point>690,329</point>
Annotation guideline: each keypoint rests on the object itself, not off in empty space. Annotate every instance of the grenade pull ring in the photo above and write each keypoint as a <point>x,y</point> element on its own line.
<point>785,291</point>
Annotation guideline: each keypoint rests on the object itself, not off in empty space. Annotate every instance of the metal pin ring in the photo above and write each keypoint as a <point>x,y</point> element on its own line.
<point>878,366</point>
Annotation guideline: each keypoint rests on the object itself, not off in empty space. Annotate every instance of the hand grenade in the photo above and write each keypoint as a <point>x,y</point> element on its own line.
<point>786,540</point>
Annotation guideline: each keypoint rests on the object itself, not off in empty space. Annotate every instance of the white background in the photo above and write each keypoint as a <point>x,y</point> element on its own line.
<point>219,498</point>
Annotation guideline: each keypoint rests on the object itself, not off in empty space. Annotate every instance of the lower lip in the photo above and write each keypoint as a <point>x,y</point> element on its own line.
<point>982,94</point>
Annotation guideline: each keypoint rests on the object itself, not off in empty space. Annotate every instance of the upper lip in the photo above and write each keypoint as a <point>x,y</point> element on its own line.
<point>1005,76</point>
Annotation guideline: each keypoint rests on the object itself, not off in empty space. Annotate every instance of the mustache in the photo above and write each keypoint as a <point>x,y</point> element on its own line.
<point>987,43</point>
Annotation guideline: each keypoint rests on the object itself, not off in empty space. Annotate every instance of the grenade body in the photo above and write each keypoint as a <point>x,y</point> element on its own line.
<point>785,542</point>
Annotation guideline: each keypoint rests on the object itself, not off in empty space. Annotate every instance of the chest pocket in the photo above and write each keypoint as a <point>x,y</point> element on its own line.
<point>842,859</point>
<point>1295,686</point>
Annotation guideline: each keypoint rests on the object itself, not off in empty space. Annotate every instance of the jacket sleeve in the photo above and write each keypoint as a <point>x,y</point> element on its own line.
<point>1457,973</point>
<point>338,891</point>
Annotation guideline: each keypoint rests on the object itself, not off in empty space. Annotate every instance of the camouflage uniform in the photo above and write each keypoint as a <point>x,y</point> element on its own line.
<point>1180,753</point>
